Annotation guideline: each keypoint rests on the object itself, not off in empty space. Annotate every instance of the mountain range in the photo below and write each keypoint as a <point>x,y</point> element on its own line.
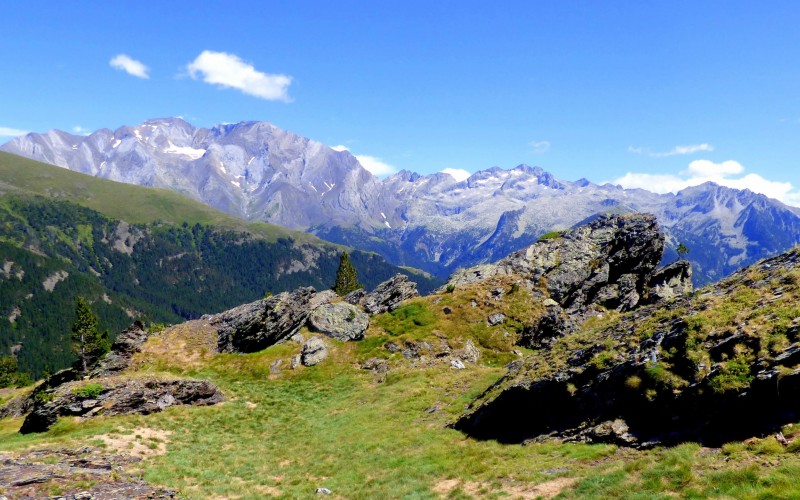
<point>437,223</point>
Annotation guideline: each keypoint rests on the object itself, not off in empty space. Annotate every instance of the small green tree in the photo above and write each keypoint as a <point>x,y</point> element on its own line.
<point>346,276</point>
<point>87,341</point>
<point>682,250</point>
<point>10,376</point>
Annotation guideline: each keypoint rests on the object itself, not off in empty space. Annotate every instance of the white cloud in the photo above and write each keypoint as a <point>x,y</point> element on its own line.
<point>12,132</point>
<point>80,130</point>
<point>676,151</point>
<point>229,71</point>
<point>458,174</point>
<point>376,166</point>
<point>539,147</point>
<point>129,65</point>
<point>728,173</point>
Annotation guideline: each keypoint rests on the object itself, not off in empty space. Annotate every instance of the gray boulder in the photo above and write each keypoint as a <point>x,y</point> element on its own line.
<point>341,321</point>
<point>116,396</point>
<point>671,281</point>
<point>609,261</point>
<point>389,295</point>
<point>260,324</point>
<point>313,352</point>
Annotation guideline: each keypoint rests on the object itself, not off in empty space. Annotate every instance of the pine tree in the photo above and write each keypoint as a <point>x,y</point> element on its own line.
<point>87,342</point>
<point>682,250</point>
<point>346,276</point>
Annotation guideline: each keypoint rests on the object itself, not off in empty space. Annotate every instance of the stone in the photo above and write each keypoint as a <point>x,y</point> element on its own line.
<point>275,366</point>
<point>313,352</point>
<point>496,319</point>
<point>457,364</point>
<point>323,491</point>
<point>389,295</point>
<point>296,361</point>
<point>340,321</point>
<point>255,326</point>
<point>470,353</point>
<point>119,396</point>
<point>671,281</point>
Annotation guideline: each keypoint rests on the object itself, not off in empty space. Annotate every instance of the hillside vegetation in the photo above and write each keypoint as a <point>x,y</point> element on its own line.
<point>285,432</point>
<point>136,253</point>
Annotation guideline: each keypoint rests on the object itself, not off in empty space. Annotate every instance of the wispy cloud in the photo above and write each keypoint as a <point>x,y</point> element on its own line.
<point>727,173</point>
<point>539,147</point>
<point>458,174</point>
<point>676,151</point>
<point>124,62</point>
<point>229,71</point>
<point>376,166</point>
<point>81,130</point>
<point>12,132</point>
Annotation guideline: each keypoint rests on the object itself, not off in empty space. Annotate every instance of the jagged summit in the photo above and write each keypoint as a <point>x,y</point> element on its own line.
<point>433,222</point>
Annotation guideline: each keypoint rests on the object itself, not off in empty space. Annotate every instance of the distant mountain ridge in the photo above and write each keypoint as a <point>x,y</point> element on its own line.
<point>434,222</point>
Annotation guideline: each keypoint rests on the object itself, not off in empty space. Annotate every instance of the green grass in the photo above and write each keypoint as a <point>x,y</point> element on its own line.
<point>141,204</point>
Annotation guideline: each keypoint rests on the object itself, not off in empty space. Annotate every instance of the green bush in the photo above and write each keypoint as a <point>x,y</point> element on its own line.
<point>88,391</point>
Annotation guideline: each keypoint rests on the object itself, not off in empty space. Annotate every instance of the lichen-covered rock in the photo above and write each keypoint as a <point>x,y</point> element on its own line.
<point>117,396</point>
<point>389,295</point>
<point>608,261</point>
<point>260,324</point>
<point>341,321</point>
<point>313,352</point>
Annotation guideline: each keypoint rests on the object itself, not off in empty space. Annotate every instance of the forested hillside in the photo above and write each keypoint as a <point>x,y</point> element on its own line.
<point>53,250</point>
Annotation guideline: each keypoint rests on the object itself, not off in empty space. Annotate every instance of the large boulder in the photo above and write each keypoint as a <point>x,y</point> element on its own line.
<point>341,321</point>
<point>255,326</point>
<point>117,396</point>
<point>609,261</point>
<point>387,296</point>
<point>313,352</point>
<point>671,281</point>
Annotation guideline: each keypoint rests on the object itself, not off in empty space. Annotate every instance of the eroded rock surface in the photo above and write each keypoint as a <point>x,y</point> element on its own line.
<point>116,396</point>
<point>387,296</point>
<point>341,321</point>
<point>260,324</point>
<point>127,343</point>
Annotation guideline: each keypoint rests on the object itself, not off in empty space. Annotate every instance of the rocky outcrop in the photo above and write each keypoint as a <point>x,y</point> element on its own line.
<point>610,262</point>
<point>127,343</point>
<point>340,321</point>
<point>260,324</point>
<point>717,366</point>
<point>116,396</point>
<point>387,296</point>
<point>671,281</point>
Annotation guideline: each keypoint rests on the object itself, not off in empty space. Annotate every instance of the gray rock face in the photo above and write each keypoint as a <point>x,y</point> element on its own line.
<point>313,352</point>
<point>118,396</point>
<point>671,281</point>
<point>127,343</point>
<point>340,321</point>
<point>260,324</point>
<point>389,295</point>
<point>608,261</point>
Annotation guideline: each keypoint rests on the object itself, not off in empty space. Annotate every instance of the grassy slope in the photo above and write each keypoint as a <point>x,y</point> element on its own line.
<point>134,204</point>
<point>335,425</point>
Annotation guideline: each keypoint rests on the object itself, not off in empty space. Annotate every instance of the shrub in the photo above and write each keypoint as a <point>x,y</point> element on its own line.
<point>89,391</point>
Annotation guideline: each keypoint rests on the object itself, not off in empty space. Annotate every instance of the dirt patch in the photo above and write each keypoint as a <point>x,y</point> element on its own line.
<point>142,443</point>
<point>185,345</point>
<point>548,489</point>
<point>82,473</point>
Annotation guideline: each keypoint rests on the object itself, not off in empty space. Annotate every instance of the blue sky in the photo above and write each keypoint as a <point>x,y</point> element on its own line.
<point>657,95</point>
